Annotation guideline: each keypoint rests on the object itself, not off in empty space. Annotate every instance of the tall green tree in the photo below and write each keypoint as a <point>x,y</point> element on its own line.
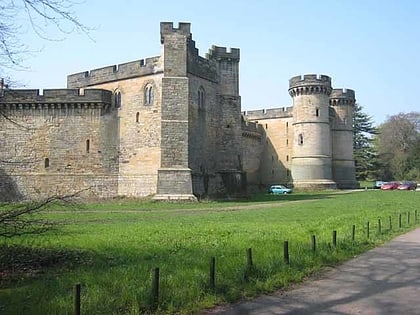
<point>365,154</point>
<point>399,146</point>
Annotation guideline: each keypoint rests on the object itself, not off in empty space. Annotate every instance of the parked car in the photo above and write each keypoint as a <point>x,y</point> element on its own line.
<point>407,186</point>
<point>390,185</point>
<point>378,184</point>
<point>279,189</point>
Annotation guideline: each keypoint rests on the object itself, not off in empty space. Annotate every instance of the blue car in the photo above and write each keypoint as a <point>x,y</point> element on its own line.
<point>279,189</point>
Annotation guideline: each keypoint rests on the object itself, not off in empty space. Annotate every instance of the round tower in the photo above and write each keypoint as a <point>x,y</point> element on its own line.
<point>311,158</point>
<point>342,102</point>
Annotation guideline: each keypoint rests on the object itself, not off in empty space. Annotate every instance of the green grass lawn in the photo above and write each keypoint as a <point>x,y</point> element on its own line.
<point>112,248</point>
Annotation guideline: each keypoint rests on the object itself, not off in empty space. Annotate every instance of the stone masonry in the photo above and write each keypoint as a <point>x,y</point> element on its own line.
<point>171,127</point>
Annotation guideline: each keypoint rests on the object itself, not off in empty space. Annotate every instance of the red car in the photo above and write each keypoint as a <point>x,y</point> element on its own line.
<point>407,186</point>
<point>390,185</point>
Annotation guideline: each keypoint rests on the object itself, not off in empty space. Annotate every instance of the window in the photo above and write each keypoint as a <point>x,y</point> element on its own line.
<point>87,146</point>
<point>137,117</point>
<point>287,158</point>
<point>300,139</point>
<point>200,97</point>
<point>148,95</point>
<point>317,112</point>
<point>118,99</point>
<point>46,163</point>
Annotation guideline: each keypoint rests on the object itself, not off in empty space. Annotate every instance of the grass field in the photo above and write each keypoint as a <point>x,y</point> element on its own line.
<point>112,248</point>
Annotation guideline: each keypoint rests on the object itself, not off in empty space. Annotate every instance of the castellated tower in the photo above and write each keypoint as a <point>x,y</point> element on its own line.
<point>311,159</point>
<point>174,175</point>
<point>342,104</point>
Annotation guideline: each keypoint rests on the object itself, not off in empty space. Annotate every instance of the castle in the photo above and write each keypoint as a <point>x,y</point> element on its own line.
<point>171,126</point>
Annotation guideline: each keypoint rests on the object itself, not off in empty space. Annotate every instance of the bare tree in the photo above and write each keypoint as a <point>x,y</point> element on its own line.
<point>21,219</point>
<point>45,18</point>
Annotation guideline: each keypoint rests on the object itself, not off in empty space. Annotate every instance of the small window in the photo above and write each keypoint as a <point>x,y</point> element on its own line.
<point>118,99</point>
<point>47,163</point>
<point>266,126</point>
<point>317,112</point>
<point>137,117</point>
<point>148,95</point>
<point>300,139</point>
<point>287,142</point>
<point>287,158</point>
<point>200,97</point>
<point>287,124</point>
<point>87,146</point>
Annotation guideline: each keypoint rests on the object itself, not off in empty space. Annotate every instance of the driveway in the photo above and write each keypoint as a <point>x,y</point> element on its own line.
<point>385,280</point>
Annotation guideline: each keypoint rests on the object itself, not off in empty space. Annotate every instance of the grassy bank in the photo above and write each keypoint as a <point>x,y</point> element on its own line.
<point>111,249</point>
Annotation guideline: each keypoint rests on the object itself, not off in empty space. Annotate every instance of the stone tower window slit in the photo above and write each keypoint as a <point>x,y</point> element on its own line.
<point>148,95</point>
<point>317,112</point>
<point>118,99</point>
<point>200,97</point>
<point>137,117</point>
<point>300,139</point>
<point>87,146</point>
<point>46,163</point>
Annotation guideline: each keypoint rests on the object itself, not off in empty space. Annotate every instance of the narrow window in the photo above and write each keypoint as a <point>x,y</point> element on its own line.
<point>272,158</point>
<point>266,126</point>
<point>300,139</point>
<point>47,162</point>
<point>287,124</point>
<point>87,145</point>
<point>137,117</point>
<point>287,142</point>
<point>148,95</point>
<point>118,100</point>
<point>317,112</point>
<point>200,97</point>
<point>287,158</point>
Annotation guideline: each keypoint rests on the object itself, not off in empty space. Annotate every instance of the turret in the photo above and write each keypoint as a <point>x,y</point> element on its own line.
<point>228,68</point>
<point>311,158</point>
<point>174,175</point>
<point>342,104</point>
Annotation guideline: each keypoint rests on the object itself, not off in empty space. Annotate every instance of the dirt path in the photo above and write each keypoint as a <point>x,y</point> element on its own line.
<point>385,280</point>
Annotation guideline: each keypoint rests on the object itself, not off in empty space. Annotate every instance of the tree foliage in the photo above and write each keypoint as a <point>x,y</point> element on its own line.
<point>365,154</point>
<point>399,146</point>
<point>45,18</point>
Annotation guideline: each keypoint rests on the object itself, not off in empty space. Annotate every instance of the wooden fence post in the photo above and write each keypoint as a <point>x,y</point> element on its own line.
<point>249,258</point>
<point>155,288</point>
<point>367,230</point>
<point>313,244</point>
<point>212,273</point>
<point>353,232</point>
<point>334,238</point>
<point>286,252</point>
<point>399,221</point>
<point>77,299</point>
<point>379,227</point>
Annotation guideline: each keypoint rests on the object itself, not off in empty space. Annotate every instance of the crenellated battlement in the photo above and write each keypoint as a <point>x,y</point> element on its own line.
<point>122,71</point>
<point>55,96</point>
<point>168,28</point>
<point>218,53</point>
<point>272,113</point>
<point>309,84</point>
<point>252,129</point>
<point>342,97</point>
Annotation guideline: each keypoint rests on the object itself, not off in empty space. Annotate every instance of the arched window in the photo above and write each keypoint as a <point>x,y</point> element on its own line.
<point>47,163</point>
<point>201,97</point>
<point>118,99</point>
<point>148,95</point>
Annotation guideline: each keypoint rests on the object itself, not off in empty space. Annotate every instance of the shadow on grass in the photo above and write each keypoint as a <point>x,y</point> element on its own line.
<point>265,197</point>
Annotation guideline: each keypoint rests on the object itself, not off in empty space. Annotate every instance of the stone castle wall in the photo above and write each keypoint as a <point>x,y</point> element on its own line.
<point>57,143</point>
<point>171,126</point>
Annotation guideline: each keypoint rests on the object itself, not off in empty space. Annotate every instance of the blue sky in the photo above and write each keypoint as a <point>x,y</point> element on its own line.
<point>370,46</point>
